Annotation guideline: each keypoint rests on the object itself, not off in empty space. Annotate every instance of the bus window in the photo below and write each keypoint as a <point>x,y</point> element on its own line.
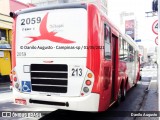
<point>121,47</point>
<point>2,34</point>
<point>125,51</point>
<point>107,42</point>
<point>131,53</point>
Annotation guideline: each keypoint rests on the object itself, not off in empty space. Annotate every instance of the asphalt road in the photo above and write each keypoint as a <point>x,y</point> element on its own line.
<point>134,100</point>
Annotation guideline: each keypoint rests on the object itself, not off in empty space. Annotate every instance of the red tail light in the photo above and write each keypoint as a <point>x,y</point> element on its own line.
<point>88,82</point>
<point>15,79</point>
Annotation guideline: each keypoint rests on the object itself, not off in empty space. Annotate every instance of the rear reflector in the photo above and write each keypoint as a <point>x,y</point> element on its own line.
<point>20,101</point>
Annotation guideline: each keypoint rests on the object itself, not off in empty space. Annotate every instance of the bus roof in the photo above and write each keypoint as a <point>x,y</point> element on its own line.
<point>51,7</point>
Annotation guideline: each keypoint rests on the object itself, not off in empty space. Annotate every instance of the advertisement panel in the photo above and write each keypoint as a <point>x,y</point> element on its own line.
<point>129,28</point>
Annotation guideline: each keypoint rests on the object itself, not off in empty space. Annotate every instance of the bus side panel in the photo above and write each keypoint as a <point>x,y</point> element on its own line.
<point>95,58</point>
<point>106,85</point>
<point>13,52</point>
<point>13,44</point>
<point>93,55</point>
<point>106,68</point>
<point>93,37</point>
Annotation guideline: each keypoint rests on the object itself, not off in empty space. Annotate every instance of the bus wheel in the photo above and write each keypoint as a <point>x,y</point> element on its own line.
<point>135,85</point>
<point>119,97</point>
<point>140,78</point>
<point>123,97</point>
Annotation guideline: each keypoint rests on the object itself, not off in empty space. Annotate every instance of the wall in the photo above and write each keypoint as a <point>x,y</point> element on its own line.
<point>5,20</point>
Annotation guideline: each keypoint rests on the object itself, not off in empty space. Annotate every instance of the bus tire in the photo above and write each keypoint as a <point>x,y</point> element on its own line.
<point>135,85</point>
<point>123,97</point>
<point>119,98</point>
<point>140,78</point>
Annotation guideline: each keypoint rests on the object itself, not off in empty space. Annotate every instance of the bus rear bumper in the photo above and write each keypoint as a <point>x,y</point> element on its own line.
<point>88,103</point>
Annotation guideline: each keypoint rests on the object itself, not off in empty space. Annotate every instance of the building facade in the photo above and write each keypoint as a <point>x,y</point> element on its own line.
<point>43,2</point>
<point>6,23</point>
<point>5,40</point>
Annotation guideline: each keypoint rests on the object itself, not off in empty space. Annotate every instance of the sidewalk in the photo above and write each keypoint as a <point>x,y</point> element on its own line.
<point>150,100</point>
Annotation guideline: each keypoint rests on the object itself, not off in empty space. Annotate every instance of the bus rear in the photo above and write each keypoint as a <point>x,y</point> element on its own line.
<point>49,58</point>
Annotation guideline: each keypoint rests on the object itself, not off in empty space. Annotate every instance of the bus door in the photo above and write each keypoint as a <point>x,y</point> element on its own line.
<point>107,64</point>
<point>114,44</point>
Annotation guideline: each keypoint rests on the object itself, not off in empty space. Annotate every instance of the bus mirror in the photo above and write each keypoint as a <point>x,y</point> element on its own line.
<point>12,14</point>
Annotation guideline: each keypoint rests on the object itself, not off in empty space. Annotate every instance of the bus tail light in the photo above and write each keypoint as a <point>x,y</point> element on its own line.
<point>14,80</point>
<point>13,72</point>
<point>88,83</point>
<point>89,75</point>
<point>17,85</point>
<point>86,89</point>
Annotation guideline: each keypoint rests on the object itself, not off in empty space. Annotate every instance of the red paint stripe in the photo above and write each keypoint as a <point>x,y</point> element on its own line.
<point>14,44</point>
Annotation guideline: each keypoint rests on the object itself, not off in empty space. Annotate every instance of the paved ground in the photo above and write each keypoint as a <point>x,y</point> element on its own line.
<point>150,100</point>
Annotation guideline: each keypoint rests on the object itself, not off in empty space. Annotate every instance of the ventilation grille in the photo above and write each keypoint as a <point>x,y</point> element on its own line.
<point>49,77</point>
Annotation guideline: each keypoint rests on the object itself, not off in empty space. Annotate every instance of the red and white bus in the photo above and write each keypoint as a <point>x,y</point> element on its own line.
<point>70,56</point>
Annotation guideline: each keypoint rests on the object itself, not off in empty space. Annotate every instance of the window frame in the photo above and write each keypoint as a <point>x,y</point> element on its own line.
<point>106,26</point>
<point>3,31</point>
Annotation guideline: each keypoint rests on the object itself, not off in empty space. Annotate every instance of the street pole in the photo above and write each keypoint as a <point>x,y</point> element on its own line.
<point>158,59</point>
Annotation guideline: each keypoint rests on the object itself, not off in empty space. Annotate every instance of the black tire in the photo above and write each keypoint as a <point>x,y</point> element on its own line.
<point>140,78</point>
<point>123,97</point>
<point>135,85</point>
<point>119,98</point>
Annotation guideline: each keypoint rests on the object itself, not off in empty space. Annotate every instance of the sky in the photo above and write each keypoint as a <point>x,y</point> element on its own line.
<point>144,24</point>
<point>24,1</point>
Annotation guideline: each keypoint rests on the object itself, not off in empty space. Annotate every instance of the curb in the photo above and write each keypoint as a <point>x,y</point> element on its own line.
<point>151,85</point>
